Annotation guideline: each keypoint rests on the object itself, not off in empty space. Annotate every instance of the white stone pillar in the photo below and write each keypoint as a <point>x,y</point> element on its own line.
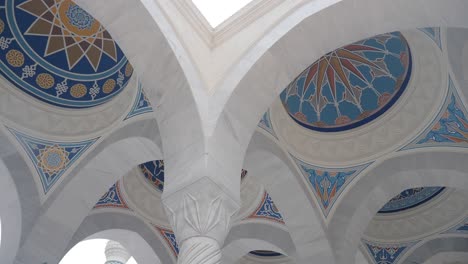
<point>201,215</point>
<point>116,253</point>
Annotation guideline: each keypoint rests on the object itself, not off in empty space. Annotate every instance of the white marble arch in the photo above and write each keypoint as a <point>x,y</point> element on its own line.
<point>20,204</point>
<point>246,237</point>
<point>440,250</point>
<point>448,258</point>
<point>290,47</point>
<point>10,216</point>
<point>140,34</point>
<point>61,214</point>
<point>129,230</point>
<point>272,167</point>
<point>383,180</point>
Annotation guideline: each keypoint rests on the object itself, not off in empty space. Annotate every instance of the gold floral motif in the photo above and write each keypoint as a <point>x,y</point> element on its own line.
<point>53,159</point>
<point>128,70</point>
<point>15,58</point>
<point>108,86</point>
<point>78,90</point>
<point>2,26</point>
<point>45,80</point>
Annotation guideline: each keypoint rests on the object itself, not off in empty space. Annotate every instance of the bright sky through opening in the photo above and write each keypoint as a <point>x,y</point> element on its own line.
<point>217,11</point>
<point>89,252</point>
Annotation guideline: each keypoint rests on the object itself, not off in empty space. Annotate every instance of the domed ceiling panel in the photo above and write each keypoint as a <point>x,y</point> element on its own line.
<point>411,198</point>
<point>60,54</point>
<point>352,85</point>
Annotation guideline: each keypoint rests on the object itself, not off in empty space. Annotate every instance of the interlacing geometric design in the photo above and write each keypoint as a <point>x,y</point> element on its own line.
<point>450,127</point>
<point>328,184</point>
<point>51,159</point>
<point>58,53</point>
<point>267,210</point>
<point>170,239</point>
<point>385,254</point>
<point>350,86</point>
<point>410,198</point>
<point>112,198</point>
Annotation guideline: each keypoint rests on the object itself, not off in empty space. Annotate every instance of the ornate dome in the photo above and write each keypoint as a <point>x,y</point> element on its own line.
<point>58,53</point>
<point>410,198</point>
<point>350,86</point>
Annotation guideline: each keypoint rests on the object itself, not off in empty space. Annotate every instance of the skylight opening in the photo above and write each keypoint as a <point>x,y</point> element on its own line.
<point>217,11</point>
<point>89,252</point>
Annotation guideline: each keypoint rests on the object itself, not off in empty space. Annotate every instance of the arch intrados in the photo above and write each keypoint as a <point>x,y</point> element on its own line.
<point>286,51</point>
<point>271,167</point>
<point>383,181</point>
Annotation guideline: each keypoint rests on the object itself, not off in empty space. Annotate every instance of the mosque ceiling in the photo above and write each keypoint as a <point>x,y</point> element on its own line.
<point>58,53</point>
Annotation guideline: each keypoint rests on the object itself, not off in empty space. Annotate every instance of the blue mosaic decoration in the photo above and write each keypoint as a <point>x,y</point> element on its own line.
<point>385,254</point>
<point>265,253</point>
<point>154,172</point>
<point>410,198</point>
<point>267,210</point>
<point>460,228</point>
<point>112,198</point>
<point>58,53</point>
<point>141,105</point>
<point>51,159</point>
<point>434,34</point>
<point>265,123</point>
<point>450,128</point>
<point>350,86</point>
<point>328,184</point>
<point>170,238</point>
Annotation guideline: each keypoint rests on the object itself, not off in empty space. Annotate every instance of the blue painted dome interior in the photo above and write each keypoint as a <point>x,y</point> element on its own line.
<point>411,198</point>
<point>58,53</point>
<point>350,86</point>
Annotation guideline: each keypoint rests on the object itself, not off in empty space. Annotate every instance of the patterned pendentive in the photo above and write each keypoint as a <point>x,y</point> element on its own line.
<point>58,53</point>
<point>385,254</point>
<point>350,86</point>
<point>410,198</point>
<point>112,198</point>
<point>141,104</point>
<point>170,239</point>
<point>450,127</point>
<point>265,123</point>
<point>51,159</point>
<point>434,34</point>
<point>328,184</point>
<point>154,173</point>
<point>267,210</point>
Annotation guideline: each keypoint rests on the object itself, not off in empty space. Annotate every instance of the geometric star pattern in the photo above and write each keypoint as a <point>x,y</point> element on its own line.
<point>351,85</point>
<point>69,28</point>
<point>58,53</point>
<point>51,159</point>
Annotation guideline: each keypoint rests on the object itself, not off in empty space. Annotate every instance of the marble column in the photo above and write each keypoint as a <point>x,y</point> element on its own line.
<point>201,215</point>
<point>116,253</point>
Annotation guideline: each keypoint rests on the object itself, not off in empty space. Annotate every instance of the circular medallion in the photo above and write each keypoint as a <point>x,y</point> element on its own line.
<point>49,47</point>
<point>350,86</point>
<point>410,198</point>
<point>53,159</point>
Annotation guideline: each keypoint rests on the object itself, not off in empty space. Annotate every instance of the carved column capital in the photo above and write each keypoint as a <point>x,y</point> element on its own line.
<point>201,209</point>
